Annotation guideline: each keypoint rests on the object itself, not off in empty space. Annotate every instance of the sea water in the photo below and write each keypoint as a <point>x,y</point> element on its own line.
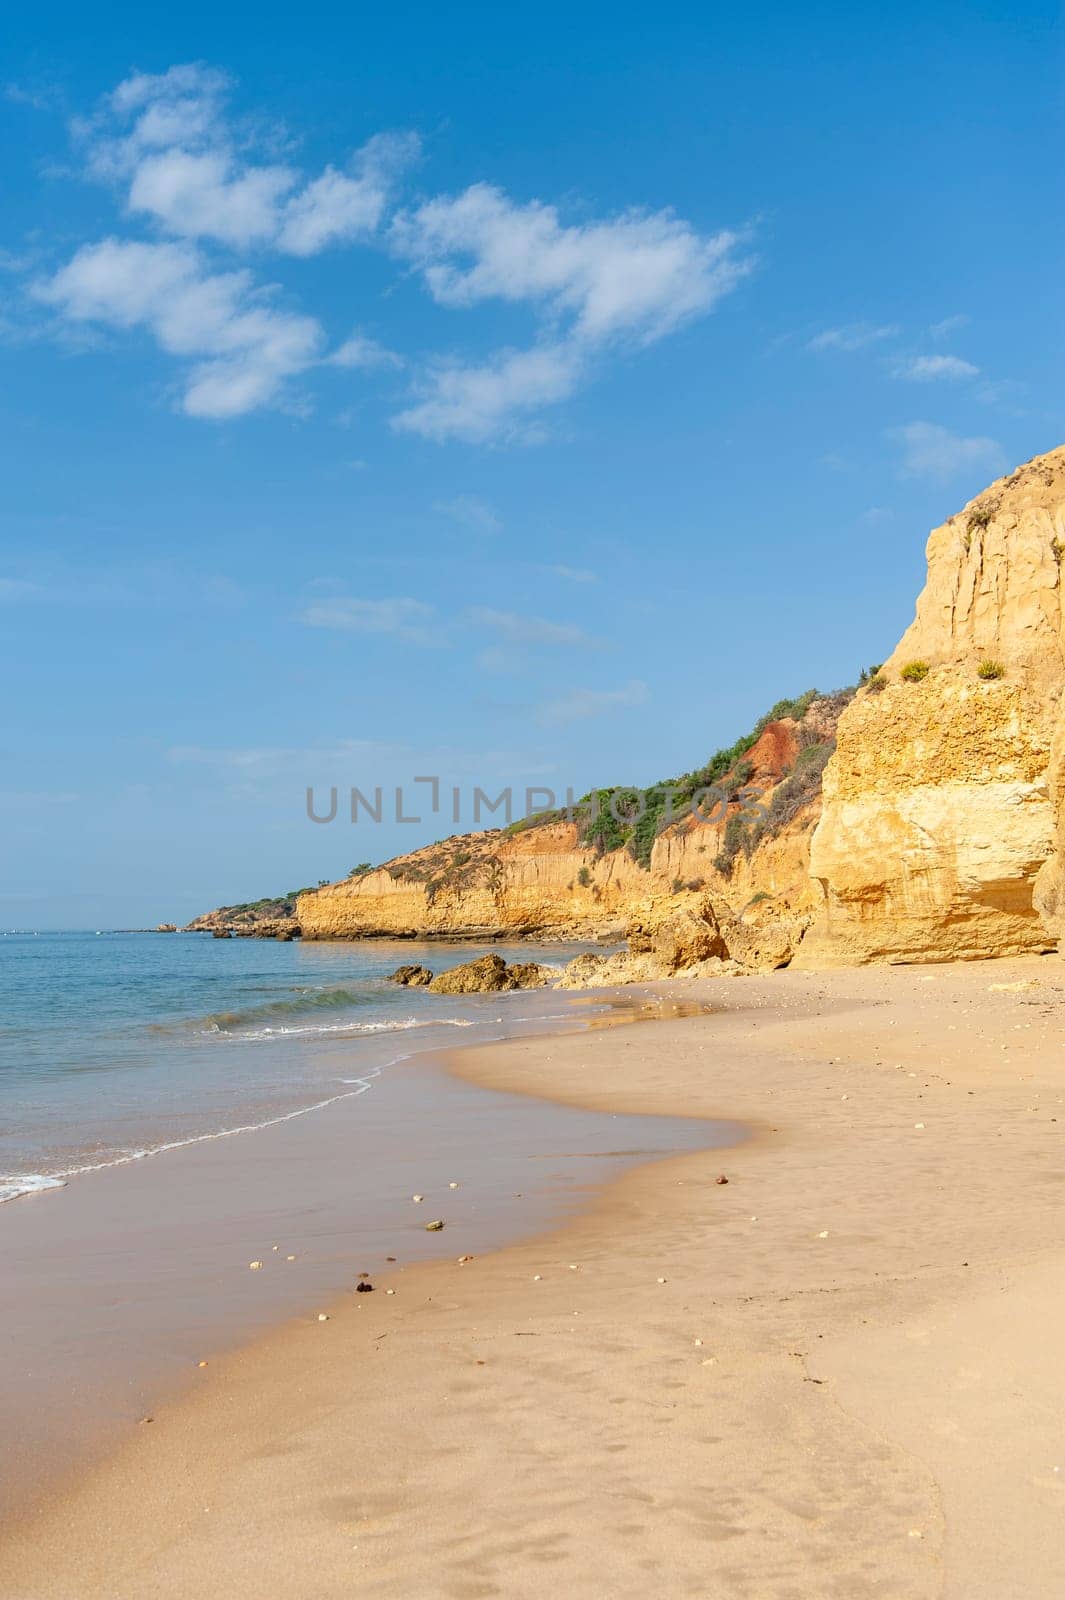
<point>116,1046</point>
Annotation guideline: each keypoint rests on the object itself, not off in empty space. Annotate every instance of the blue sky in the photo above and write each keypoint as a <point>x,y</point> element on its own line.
<point>513,397</point>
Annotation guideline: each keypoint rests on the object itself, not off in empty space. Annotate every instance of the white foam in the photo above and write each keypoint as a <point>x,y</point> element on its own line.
<point>319,1029</point>
<point>13,1188</point>
<point>16,1184</point>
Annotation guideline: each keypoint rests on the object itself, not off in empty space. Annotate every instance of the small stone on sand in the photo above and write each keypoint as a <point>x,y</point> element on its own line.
<point>722,1179</point>
<point>434,1227</point>
<point>823,1234</point>
<point>661,1280</point>
<point>253,1266</point>
<point>417,1198</point>
<point>201,1363</point>
<point>323,1316</point>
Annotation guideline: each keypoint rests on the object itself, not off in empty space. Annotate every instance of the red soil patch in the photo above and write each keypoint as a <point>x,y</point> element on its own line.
<point>774,751</point>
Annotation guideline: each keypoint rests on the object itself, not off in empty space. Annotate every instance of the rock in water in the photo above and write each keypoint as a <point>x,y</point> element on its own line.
<point>411,976</point>
<point>490,975</point>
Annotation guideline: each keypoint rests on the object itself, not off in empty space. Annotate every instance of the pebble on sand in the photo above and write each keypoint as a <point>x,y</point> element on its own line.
<point>823,1234</point>
<point>452,1185</point>
<point>323,1316</point>
<point>417,1198</point>
<point>722,1179</point>
<point>201,1363</point>
<point>253,1266</point>
<point>661,1280</point>
<point>434,1227</point>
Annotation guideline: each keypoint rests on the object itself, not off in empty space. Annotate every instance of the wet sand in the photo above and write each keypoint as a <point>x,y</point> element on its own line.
<point>113,1289</point>
<point>837,1375</point>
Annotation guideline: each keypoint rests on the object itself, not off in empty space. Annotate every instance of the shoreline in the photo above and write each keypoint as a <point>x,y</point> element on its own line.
<point>847,1382</point>
<point>313,1200</point>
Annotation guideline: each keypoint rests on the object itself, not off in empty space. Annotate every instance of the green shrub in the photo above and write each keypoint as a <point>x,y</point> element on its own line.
<point>1058,547</point>
<point>989,670</point>
<point>877,683</point>
<point>914,671</point>
<point>584,877</point>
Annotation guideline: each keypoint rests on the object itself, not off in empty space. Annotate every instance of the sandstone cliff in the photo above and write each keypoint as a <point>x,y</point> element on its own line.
<point>574,879</point>
<point>940,833</point>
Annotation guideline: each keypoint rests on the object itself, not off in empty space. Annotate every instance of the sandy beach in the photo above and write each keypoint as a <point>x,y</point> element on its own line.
<point>836,1375</point>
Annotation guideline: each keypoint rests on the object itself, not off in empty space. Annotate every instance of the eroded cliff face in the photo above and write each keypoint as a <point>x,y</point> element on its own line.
<point>940,831</point>
<point>544,881</point>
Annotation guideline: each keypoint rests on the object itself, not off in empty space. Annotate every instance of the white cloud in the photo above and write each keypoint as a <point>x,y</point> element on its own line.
<point>483,402</point>
<point>168,137</point>
<point>243,348</point>
<point>528,630</point>
<point>584,703</point>
<point>206,179</point>
<point>634,277</point>
<point>949,325</point>
<point>641,273</point>
<point>929,369</point>
<point>852,336</point>
<point>205,196</point>
<point>359,351</point>
<point>407,619</point>
<point>471,512</point>
<point>338,206</point>
<point>929,451</point>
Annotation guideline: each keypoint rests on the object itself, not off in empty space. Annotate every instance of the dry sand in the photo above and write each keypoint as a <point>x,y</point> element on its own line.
<point>837,1375</point>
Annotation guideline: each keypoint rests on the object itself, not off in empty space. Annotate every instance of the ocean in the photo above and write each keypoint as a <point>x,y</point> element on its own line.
<point>116,1046</point>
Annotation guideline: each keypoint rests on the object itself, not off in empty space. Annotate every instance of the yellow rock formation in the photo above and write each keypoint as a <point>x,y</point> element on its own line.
<point>939,832</point>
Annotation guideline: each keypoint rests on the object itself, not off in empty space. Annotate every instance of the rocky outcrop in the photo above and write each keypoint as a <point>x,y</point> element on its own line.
<point>411,977</point>
<point>490,974</point>
<point>262,919</point>
<point>940,834</point>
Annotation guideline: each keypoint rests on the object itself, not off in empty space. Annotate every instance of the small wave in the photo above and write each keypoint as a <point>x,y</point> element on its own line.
<point>13,1188</point>
<point>321,1029</point>
<point>305,1001</point>
<point>17,1184</point>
